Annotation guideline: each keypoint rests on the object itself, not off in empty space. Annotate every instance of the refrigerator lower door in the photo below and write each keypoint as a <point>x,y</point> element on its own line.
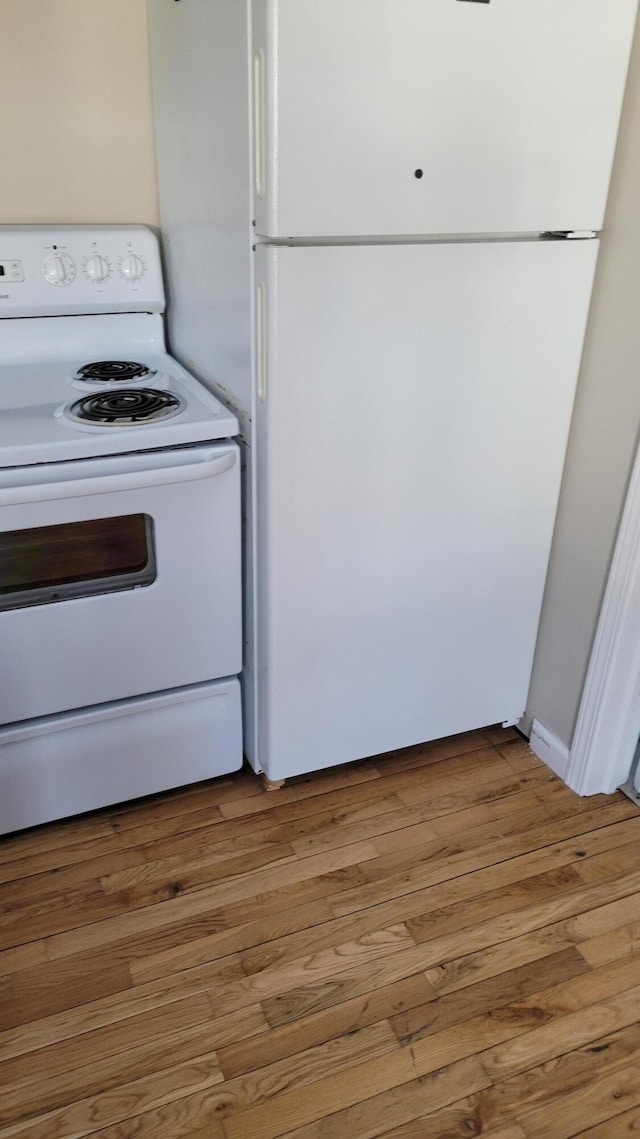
<point>414,404</point>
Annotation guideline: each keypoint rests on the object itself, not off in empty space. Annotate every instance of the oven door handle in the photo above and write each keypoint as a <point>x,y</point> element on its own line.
<point>134,476</point>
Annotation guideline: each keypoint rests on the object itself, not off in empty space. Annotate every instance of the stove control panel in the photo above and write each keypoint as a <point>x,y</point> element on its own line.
<point>132,267</point>
<point>77,270</point>
<point>11,271</point>
<point>59,269</point>
<point>97,268</point>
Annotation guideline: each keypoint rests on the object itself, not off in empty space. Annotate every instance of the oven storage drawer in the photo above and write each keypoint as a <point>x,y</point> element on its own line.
<point>118,577</point>
<point>62,765</point>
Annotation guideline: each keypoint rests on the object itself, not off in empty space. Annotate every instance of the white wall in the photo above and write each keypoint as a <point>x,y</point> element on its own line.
<point>601,449</point>
<point>76,133</point>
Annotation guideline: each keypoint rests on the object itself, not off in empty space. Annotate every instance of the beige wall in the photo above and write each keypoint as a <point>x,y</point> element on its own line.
<point>602,445</point>
<point>76,134</point>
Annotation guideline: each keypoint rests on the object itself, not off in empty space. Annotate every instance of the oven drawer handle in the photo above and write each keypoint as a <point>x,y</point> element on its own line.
<point>122,481</point>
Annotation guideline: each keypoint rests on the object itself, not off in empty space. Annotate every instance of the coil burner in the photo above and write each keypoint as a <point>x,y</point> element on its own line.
<point>113,372</point>
<point>131,407</point>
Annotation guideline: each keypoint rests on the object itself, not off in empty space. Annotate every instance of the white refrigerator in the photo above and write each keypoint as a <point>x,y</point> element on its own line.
<point>380,222</point>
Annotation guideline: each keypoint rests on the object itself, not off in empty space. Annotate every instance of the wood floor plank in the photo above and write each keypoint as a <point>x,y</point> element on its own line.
<point>88,1116</point>
<point>475,940</point>
<point>169,827</point>
<point>320,1027</point>
<point>186,953</point>
<point>27,844</point>
<point>568,988</point>
<point>509,988</point>
<point>86,1079</point>
<point>609,864</point>
<point>265,1084</point>
<point>417,852</point>
<point>423,926</point>
<point>543,1088</point>
<point>304,832</point>
<point>453,776</point>
<point>560,843</point>
<point>238,992</point>
<point>518,754</point>
<point>486,950</point>
<point>603,948</point>
<point>122,1038</point>
<point>178,1119</point>
<point>506,899</point>
<point>363,956</point>
<point>61,856</point>
<point>41,991</point>
<point>119,1007</point>
<point>496,734</point>
<point>425,841</point>
<point>241,900</point>
<point>451,769</point>
<point>297,791</point>
<point>155,881</point>
<point>396,818</point>
<point>313,997</point>
<point>297,1108</point>
<point>436,944</point>
<point>33,888</point>
<point>173,938</point>
<point>55,913</point>
<point>424,754</point>
<point>268,1083</point>
<point>198,797</point>
<point>624,1126</point>
<point>362,797</point>
<point>22,957</point>
<point>536,837</point>
<point>397,1106</point>
<point>472,1036</point>
<point>561,802</point>
<point>459,1121</point>
<point>602,1099</point>
<point>472,793</point>
<point>474,967</point>
<point>421,1129</point>
<point>575,1030</point>
<point>442,947</point>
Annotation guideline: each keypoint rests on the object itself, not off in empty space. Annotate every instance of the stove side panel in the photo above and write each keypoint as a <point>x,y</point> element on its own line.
<point>200,90</point>
<point>199,61</point>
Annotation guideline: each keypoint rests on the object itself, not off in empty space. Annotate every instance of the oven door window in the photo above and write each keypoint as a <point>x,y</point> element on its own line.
<point>55,563</point>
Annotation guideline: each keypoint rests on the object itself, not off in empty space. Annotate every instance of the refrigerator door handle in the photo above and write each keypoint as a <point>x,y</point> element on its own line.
<point>261,341</point>
<point>260,122</point>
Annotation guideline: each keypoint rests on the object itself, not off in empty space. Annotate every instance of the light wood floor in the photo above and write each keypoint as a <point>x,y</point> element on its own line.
<point>441,943</point>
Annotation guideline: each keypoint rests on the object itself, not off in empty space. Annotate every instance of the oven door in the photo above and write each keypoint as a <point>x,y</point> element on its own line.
<point>118,577</point>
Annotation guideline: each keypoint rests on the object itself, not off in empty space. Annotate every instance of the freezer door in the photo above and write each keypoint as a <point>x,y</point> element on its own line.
<point>435,116</point>
<point>414,412</point>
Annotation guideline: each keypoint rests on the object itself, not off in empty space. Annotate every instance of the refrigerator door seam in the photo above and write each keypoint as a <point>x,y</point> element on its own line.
<point>429,239</point>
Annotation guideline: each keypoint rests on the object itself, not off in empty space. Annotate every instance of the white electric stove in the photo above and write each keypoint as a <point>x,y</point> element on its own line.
<point>120,612</point>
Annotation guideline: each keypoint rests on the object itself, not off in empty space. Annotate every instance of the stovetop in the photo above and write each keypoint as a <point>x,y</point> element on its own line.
<point>84,371</point>
<point>47,410</point>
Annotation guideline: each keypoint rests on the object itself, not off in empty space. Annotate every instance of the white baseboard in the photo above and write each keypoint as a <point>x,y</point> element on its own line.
<point>549,749</point>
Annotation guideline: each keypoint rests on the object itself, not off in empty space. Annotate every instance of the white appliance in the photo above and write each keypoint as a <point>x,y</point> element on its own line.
<point>398,323</point>
<point>120,596</point>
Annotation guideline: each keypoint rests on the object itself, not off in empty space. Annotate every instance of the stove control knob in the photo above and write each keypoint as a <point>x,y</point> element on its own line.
<point>59,269</point>
<point>97,268</point>
<point>132,267</point>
